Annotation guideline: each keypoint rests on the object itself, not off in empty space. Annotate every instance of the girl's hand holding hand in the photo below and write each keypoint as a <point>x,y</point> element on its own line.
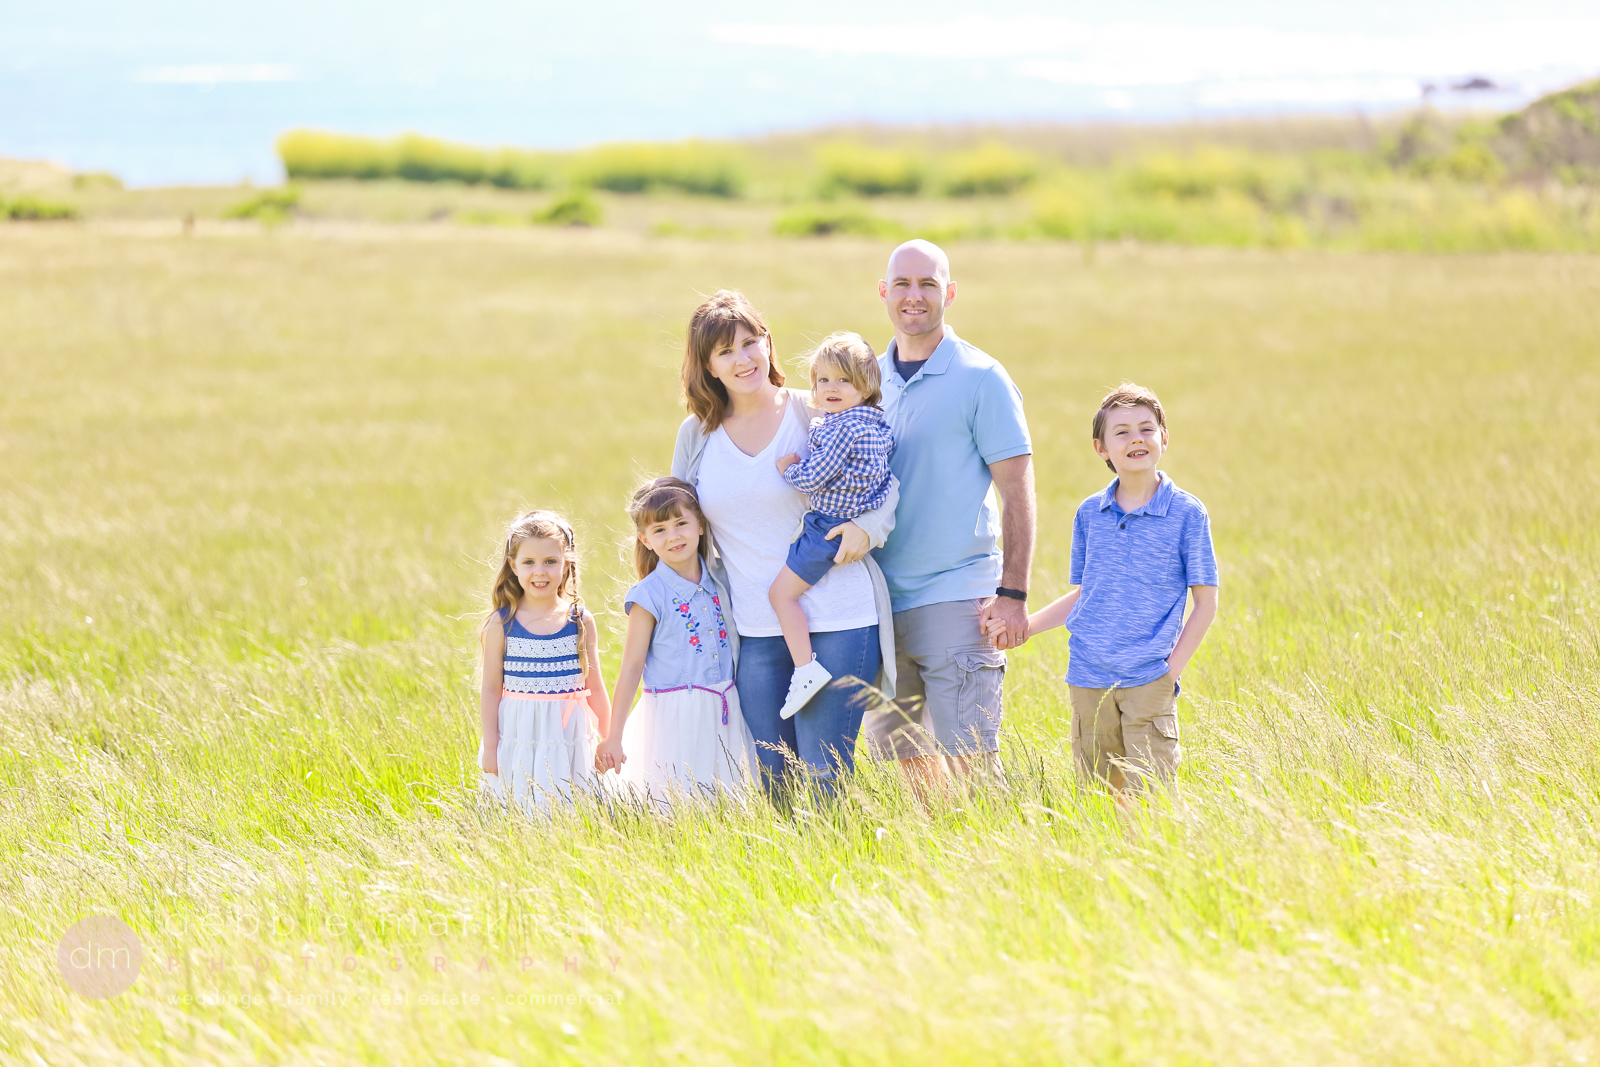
<point>787,460</point>
<point>609,757</point>
<point>993,629</point>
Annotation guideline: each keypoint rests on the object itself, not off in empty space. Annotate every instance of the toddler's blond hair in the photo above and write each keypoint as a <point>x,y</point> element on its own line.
<point>852,358</point>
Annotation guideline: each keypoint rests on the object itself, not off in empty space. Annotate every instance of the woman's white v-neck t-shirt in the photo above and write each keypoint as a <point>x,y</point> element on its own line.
<point>756,514</point>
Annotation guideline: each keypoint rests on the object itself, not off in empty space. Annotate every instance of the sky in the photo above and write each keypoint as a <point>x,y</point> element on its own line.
<point>185,92</point>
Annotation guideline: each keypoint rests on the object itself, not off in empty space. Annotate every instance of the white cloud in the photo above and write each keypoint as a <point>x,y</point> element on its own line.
<point>217,73</point>
<point>1307,91</point>
<point>1318,66</point>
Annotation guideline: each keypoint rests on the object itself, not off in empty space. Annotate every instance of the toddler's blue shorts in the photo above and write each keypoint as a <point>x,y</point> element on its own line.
<point>811,555</point>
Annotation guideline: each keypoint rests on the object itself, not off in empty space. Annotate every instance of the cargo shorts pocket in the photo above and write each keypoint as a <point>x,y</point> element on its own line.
<point>1165,751</point>
<point>983,671</point>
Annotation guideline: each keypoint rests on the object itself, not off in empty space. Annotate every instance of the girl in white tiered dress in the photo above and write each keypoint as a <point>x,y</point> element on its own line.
<point>687,735</point>
<point>543,695</point>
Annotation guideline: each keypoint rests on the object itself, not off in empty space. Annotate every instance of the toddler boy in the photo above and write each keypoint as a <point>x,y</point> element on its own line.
<point>846,474</point>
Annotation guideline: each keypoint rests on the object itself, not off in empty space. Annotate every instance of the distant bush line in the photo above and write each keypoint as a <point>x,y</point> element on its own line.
<point>1427,182</point>
<point>1555,138</point>
<point>689,166</point>
<point>33,209</point>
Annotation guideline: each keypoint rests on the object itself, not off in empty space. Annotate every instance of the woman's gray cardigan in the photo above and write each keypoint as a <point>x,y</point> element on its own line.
<point>875,524</point>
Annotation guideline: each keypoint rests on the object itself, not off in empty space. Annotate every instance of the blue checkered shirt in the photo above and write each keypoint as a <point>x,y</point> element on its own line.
<point>847,472</point>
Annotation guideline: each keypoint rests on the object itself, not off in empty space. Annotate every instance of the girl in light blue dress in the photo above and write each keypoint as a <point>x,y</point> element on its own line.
<point>686,735</point>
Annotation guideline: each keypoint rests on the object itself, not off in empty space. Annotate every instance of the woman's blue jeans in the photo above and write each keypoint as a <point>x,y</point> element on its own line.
<point>823,733</point>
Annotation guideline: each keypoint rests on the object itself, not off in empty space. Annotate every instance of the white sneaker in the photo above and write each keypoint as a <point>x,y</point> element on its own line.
<point>806,683</point>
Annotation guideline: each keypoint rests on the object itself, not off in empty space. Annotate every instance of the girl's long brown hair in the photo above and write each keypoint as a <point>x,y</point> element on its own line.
<point>714,324</point>
<point>657,501</point>
<point>507,592</point>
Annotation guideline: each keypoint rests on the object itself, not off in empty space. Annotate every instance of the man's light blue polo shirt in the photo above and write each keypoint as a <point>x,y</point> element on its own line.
<point>1135,568</point>
<point>958,414</point>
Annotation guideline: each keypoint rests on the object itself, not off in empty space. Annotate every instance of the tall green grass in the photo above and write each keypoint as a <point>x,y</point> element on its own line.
<point>251,490</point>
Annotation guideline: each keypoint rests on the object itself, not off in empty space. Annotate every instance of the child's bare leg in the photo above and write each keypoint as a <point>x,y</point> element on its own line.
<point>787,588</point>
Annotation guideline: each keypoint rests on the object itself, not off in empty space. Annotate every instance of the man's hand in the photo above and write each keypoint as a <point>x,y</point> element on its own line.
<point>1014,479</point>
<point>1011,614</point>
<point>854,543</point>
<point>787,460</point>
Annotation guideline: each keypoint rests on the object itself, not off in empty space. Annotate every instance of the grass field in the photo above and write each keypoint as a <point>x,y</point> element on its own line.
<point>250,487</point>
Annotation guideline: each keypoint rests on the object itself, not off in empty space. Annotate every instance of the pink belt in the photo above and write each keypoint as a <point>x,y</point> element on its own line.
<point>721,694</point>
<point>569,701</point>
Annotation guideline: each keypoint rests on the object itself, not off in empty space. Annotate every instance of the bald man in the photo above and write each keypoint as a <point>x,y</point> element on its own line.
<point>960,435</point>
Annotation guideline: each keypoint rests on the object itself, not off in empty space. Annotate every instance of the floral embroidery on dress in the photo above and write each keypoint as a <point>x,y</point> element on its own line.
<point>722,625</point>
<point>692,624</point>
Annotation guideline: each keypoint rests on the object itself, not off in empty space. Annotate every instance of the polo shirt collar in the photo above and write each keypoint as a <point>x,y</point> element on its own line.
<point>1156,505</point>
<point>681,585</point>
<point>939,361</point>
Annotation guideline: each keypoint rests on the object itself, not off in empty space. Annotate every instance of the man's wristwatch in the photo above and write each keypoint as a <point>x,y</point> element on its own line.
<point>1013,594</point>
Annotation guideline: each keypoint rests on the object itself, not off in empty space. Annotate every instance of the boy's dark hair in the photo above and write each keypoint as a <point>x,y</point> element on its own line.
<point>1127,395</point>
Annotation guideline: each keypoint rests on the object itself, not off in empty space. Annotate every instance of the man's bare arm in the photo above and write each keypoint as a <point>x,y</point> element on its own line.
<point>1013,480</point>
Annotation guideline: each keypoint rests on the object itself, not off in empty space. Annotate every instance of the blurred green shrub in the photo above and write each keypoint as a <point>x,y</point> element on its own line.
<point>851,167</point>
<point>992,170</point>
<point>411,156</point>
<point>1208,172</point>
<point>1227,219</point>
<point>271,207</point>
<point>33,209</point>
<point>823,220</point>
<point>1469,161</point>
<point>690,166</point>
<point>96,179</point>
<point>1439,217</point>
<point>575,208</point>
<point>320,154</point>
<point>428,159</point>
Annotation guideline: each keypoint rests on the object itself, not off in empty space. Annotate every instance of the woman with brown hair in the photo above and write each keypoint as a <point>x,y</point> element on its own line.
<point>741,419</point>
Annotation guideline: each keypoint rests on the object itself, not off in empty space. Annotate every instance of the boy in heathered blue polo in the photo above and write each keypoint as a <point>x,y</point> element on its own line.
<point>1140,548</point>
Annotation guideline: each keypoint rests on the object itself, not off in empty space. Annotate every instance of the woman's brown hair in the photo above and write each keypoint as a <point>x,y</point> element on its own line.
<point>507,593</point>
<point>714,324</point>
<point>656,501</point>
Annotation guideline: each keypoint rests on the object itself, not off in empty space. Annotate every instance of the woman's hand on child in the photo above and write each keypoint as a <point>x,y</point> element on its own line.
<point>787,460</point>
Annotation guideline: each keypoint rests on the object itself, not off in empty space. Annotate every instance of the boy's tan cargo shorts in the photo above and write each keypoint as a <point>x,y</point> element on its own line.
<point>1127,736</point>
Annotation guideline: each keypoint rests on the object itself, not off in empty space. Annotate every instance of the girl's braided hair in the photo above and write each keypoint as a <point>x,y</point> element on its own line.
<point>507,592</point>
